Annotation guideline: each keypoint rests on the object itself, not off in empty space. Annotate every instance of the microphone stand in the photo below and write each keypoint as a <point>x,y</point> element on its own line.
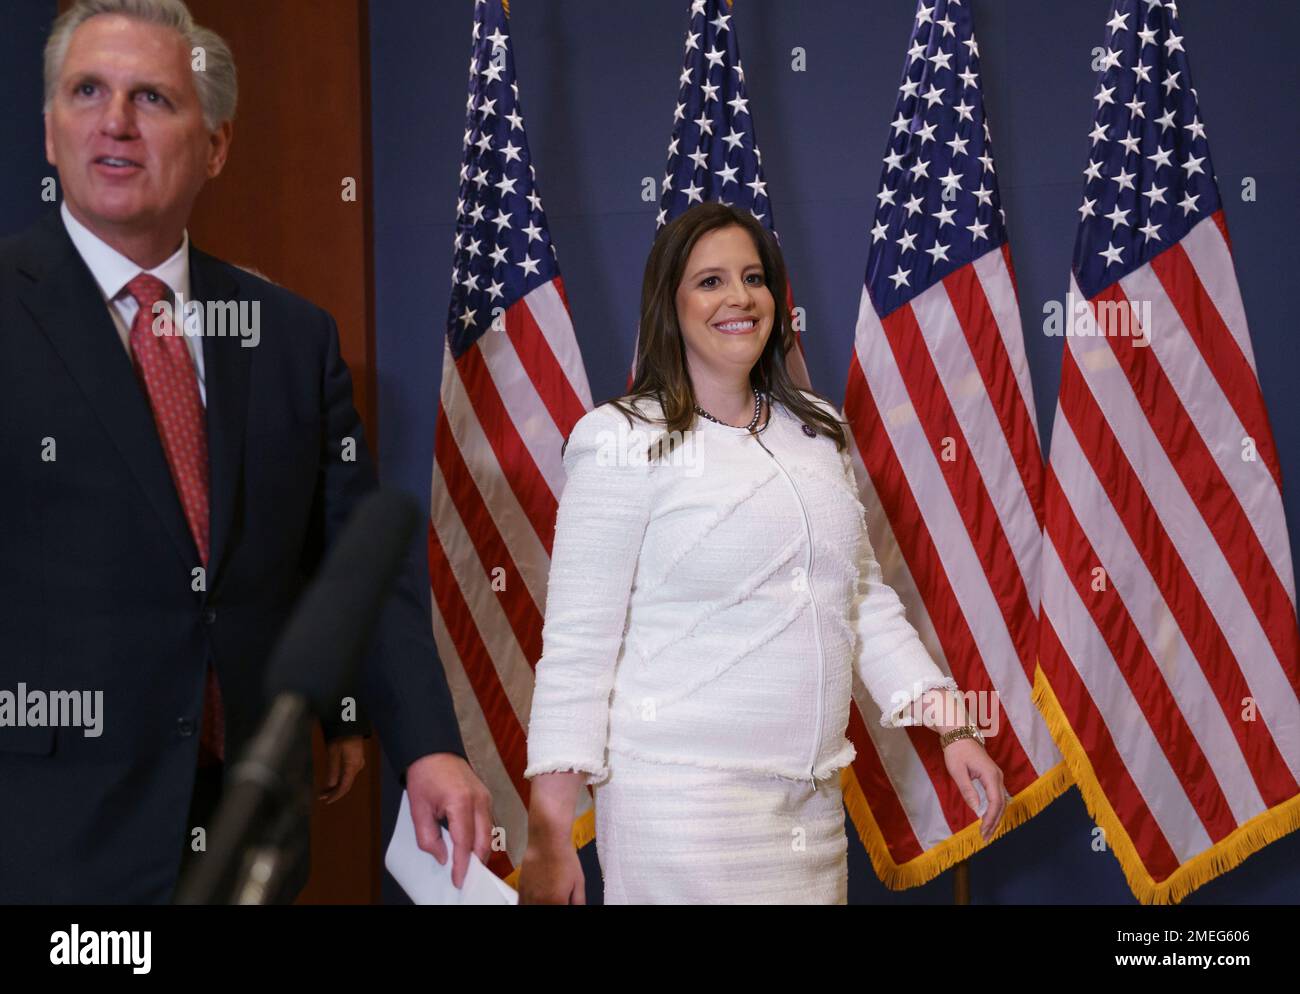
<point>263,800</point>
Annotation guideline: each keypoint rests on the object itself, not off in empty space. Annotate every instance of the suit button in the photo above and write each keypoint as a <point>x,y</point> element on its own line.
<point>209,615</point>
<point>184,727</point>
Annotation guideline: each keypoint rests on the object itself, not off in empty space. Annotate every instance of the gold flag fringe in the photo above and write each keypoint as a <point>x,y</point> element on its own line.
<point>924,868</point>
<point>1266,827</point>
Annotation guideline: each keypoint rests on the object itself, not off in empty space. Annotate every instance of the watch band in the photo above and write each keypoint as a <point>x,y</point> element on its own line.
<point>965,732</point>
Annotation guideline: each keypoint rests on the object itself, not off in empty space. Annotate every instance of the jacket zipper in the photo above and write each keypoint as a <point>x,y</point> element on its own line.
<point>812,594</point>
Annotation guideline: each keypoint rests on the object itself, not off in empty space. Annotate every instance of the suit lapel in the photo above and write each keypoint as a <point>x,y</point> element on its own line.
<point>226,368</point>
<point>67,306</point>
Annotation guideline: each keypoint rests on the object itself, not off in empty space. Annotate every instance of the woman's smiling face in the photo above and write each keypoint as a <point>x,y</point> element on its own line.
<point>724,305</point>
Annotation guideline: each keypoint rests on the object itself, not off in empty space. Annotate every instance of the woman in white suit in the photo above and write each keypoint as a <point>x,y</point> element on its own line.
<point>712,594</point>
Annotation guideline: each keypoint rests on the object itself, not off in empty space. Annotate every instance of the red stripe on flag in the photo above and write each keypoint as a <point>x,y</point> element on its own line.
<point>1115,625</point>
<point>1209,490</point>
<point>1011,270</point>
<point>886,808</point>
<point>507,733</point>
<point>516,600</point>
<point>984,338</point>
<point>1219,349</point>
<point>1200,629</point>
<point>929,399</point>
<point>558,283</point>
<point>1103,757</point>
<point>931,581</point>
<point>547,375</point>
<point>918,549</point>
<point>516,462</point>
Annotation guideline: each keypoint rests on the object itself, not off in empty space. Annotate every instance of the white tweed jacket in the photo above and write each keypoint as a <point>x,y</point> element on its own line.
<point>713,609</point>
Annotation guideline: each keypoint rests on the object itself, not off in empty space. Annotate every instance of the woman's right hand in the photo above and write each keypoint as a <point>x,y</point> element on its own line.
<point>551,874</point>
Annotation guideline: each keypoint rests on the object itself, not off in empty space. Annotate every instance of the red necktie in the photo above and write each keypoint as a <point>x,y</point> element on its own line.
<point>164,367</point>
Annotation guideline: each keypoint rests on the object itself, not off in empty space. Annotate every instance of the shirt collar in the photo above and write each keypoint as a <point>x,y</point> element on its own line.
<point>112,270</point>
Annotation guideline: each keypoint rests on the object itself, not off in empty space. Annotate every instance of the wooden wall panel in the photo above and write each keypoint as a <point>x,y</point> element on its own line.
<point>301,130</point>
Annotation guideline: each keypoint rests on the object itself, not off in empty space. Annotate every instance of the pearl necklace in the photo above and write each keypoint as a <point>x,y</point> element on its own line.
<point>758,408</point>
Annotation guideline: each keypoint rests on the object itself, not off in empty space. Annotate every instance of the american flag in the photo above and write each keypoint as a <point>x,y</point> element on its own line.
<point>948,460</point>
<point>1168,636</point>
<point>513,386</point>
<point>713,153</point>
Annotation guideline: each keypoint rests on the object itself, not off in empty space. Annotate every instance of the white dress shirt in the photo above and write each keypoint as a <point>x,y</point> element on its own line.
<point>113,271</point>
<point>715,611</point>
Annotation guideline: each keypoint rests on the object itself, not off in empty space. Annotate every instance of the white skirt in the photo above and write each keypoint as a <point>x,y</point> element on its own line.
<point>674,834</point>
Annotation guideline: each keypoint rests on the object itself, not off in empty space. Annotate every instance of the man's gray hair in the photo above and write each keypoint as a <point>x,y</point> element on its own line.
<point>217,83</point>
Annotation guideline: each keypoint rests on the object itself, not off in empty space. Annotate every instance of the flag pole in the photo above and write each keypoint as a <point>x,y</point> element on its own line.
<point>961,882</point>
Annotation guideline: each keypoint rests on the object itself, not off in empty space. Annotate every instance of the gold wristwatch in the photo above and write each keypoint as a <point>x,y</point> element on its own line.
<point>965,732</point>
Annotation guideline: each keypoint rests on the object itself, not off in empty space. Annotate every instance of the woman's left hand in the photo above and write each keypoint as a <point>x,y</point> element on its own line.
<point>967,761</point>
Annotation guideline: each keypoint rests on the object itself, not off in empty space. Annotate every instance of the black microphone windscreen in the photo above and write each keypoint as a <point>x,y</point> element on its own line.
<point>329,631</point>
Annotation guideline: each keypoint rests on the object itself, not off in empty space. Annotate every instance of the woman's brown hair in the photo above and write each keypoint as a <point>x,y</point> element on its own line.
<point>661,371</point>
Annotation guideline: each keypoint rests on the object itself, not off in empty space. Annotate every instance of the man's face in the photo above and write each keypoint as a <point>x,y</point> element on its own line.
<point>125,128</point>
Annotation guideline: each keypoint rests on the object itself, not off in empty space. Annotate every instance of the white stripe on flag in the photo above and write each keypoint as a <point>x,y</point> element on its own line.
<point>995,278</point>
<point>982,431</point>
<point>1212,261</point>
<point>967,580</point>
<point>1207,406</point>
<point>1134,740</point>
<point>1191,538</point>
<point>507,806</point>
<point>528,412</point>
<point>516,530</point>
<point>548,311</point>
<point>1136,589</point>
<point>473,578</point>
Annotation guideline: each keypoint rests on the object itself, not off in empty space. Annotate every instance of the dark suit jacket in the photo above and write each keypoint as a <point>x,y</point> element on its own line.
<point>96,560</point>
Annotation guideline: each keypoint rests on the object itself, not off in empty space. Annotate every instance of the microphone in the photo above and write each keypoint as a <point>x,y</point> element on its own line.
<point>315,660</point>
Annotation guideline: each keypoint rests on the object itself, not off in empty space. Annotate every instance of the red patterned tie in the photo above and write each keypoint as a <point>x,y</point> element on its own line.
<point>164,367</point>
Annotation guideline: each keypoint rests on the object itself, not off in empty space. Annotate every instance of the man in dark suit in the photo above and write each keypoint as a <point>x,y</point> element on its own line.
<point>167,496</point>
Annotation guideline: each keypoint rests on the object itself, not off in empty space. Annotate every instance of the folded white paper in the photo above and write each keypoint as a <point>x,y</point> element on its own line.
<point>426,881</point>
